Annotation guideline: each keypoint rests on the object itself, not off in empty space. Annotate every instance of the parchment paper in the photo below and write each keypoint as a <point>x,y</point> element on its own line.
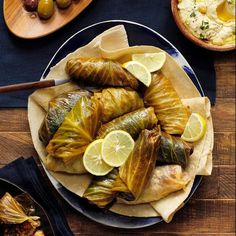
<point>113,44</point>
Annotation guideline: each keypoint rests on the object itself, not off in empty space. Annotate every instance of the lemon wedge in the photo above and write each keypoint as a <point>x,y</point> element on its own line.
<point>116,147</point>
<point>93,161</point>
<point>195,128</point>
<point>139,71</point>
<point>152,61</point>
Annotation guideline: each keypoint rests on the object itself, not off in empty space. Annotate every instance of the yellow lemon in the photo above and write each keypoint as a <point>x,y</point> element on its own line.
<point>195,128</point>
<point>116,147</point>
<point>139,71</point>
<point>152,61</point>
<point>93,161</point>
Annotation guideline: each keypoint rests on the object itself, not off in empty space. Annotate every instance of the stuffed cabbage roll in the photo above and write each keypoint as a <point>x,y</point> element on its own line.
<point>100,190</point>
<point>174,150</point>
<point>137,170</point>
<point>100,71</point>
<point>77,130</point>
<point>74,166</point>
<point>133,122</point>
<point>58,108</point>
<point>103,189</point>
<point>14,213</point>
<point>170,111</point>
<point>118,101</point>
<point>121,190</point>
<point>163,181</point>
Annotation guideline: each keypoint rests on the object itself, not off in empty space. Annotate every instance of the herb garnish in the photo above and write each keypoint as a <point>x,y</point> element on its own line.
<point>193,14</point>
<point>205,25</point>
<point>202,36</point>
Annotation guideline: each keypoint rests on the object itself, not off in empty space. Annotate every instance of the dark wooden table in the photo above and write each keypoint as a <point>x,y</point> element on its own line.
<point>211,210</point>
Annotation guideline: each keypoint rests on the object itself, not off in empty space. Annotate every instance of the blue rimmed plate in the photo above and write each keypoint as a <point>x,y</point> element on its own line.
<point>138,35</point>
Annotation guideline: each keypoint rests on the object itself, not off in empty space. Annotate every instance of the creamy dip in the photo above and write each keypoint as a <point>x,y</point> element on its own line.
<point>210,20</point>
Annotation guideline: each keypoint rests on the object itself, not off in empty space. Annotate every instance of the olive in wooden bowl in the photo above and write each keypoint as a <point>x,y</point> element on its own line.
<point>45,8</point>
<point>30,5</point>
<point>63,3</point>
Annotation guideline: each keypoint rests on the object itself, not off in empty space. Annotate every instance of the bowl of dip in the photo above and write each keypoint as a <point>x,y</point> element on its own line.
<point>207,23</point>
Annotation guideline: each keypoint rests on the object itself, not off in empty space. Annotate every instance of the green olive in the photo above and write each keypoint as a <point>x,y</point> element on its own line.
<point>63,3</point>
<point>45,8</point>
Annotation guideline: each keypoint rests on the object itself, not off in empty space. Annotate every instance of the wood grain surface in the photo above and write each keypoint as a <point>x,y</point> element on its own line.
<point>210,211</point>
<point>28,25</point>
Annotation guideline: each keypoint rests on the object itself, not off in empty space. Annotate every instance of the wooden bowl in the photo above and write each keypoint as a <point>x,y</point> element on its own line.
<point>28,25</point>
<point>190,36</point>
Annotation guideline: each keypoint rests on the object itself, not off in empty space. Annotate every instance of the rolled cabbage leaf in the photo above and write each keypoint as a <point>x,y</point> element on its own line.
<point>137,170</point>
<point>100,190</point>
<point>77,130</point>
<point>100,71</point>
<point>163,181</point>
<point>58,108</point>
<point>103,189</point>
<point>133,122</point>
<point>122,190</point>
<point>170,111</point>
<point>74,166</point>
<point>12,212</point>
<point>174,150</point>
<point>117,102</point>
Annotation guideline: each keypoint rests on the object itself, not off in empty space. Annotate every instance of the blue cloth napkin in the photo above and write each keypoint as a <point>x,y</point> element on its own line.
<point>25,60</point>
<point>26,175</point>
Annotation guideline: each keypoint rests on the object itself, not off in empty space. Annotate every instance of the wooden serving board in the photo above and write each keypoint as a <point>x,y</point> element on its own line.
<point>29,26</point>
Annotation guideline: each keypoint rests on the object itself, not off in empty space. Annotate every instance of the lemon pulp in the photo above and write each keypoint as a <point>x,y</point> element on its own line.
<point>139,71</point>
<point>116,147</point>
<point>195,128</point>
<point>152,61</point>
<point>93,161</point>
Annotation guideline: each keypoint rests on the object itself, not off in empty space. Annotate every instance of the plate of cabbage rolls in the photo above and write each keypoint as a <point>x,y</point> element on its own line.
<point>20,214</point>
<point>127,139</point>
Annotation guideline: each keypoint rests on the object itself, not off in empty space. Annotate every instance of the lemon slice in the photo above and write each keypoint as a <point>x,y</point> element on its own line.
<point>116,147</point>
<point>93,161</point>
<point>195,128</point>
<point>139,71</point>
<point>152,61</point>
